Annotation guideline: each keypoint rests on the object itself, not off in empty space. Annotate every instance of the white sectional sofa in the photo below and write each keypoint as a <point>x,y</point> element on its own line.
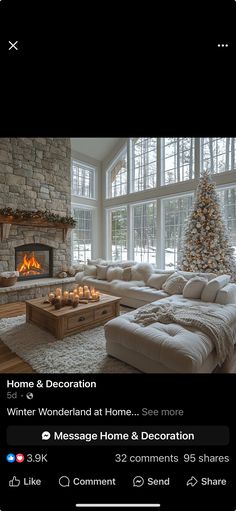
<point>172,347</point>
<point>164,347</point>
<point>138,291</point>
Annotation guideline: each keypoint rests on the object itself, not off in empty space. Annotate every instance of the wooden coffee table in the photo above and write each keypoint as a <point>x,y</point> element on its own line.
<point>67,320</point>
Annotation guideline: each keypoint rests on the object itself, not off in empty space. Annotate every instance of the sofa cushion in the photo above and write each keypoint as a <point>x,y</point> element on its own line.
<point>226,294</point>
<point>90,270</point>
<point>194,287</point>
<point>101,271</point>
<point>141,271</point>
<point>174,284</point>
<point>190,274</point>
<point>115,273</point>
<point>210,290</point>
<point>156,280</point>
<point>101,285</point>
<point>146,293</point>
<point>178,348</point>
<point>127,273</point>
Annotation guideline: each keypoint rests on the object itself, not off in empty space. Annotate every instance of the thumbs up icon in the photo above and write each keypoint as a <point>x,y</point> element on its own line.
<point>14,482</point>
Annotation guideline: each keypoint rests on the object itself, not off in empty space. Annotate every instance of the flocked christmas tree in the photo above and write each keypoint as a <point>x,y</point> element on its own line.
<point>207,246</point>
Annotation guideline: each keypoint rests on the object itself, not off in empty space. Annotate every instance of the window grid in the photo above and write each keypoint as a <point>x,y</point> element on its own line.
<point>117,176</point>
<point>178,159</point>
<point>218,154</point>
<point>83,180</point>
<point>175,214</point>
<point>144,164</point>
<point>144,241</point>
<point>227,197</point>
<point>119,234</point>
<point>82,235</point>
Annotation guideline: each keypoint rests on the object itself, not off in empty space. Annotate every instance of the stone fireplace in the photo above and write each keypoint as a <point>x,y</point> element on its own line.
<point>35,174</point>
<point>34,261</point>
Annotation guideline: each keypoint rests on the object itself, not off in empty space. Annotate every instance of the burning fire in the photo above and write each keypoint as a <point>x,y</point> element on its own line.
<point>30,265</point>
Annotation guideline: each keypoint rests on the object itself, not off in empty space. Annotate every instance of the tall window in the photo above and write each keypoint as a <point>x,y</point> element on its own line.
<point>175,214</point>
<point>227,198</point>
<point>83,179</point>
<point>218,154</point>
<point>144,163</point>
<point>117,176</point>
<point>177,159</point>
<point>82,235</point>
<point>144,232</point>
<point>118,230</point>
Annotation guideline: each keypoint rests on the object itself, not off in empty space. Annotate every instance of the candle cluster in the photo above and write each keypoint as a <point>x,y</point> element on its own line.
<point>81,294</point>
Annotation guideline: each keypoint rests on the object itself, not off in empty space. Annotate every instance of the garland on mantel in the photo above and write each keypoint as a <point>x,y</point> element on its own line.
<point>20,214</point>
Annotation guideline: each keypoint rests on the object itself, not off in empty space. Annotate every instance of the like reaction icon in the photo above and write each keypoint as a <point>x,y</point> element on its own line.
<point>10,457</point>
<point>14,482</point>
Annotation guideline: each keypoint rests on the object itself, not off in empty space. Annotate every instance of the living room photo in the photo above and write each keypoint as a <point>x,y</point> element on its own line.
<point>118,255</point>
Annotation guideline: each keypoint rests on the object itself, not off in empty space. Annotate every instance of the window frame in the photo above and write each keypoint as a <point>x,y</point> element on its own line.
<point>225,179</point>
<point>86,166</point>
<point>109,230</point>
<point>162,239</point>
<point>131,224</point>
<point>123,150</point>
<point>93,230</point>
<point>132,167</point>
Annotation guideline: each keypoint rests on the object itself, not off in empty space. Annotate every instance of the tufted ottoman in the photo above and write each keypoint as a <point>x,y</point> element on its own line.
<point>161,348</point>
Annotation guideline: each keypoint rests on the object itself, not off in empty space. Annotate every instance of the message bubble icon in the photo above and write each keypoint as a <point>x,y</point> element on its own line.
<point>64,481</point>
<point>46,435</point>
<point>138,481</point>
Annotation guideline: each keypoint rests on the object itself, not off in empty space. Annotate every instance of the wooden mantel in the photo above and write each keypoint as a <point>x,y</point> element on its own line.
<point>7,221</point>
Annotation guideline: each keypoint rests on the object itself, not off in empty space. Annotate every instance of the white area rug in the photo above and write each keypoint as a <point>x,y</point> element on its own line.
<point>80,353</point>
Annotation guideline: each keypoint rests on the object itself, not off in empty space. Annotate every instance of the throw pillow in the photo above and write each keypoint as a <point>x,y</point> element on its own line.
<point>141,271</point>
<point>127,274</point>
<point>101,272</point>
<point>90,270</point>
<point>194,287</point>
<point>210,290</point>
<point>115,273</point>
<point>156,280</point>
<point>226,295</point>
<point>174,284</point>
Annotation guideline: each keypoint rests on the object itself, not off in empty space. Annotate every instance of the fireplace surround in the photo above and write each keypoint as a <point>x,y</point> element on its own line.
<point>34,261</point>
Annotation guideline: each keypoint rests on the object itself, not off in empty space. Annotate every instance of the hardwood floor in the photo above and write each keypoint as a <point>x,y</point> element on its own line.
<point>10,362</point>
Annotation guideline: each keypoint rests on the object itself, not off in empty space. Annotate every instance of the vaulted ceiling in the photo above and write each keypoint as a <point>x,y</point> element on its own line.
<point>98,148</point>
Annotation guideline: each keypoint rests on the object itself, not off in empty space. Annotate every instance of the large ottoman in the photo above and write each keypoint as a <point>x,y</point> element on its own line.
<point>163,348</point>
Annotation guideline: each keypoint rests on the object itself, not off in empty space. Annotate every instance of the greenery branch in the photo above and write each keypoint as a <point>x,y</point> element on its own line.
<point>20,214</point>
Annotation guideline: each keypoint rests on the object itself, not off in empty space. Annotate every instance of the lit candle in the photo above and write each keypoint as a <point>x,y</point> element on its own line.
<point>76,300</point>
<point>58,291</point>
<point>71,295</point>
<point>87,294</point>
<point>58,302</point>
<point>75,291</point>
<point>65,294</point>
<point>51,296</point>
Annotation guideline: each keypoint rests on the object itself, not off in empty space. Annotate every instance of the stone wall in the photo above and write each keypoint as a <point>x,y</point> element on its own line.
<point>35,174</point>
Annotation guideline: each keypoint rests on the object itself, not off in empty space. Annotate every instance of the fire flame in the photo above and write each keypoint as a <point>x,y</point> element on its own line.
<point>29,264</point>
